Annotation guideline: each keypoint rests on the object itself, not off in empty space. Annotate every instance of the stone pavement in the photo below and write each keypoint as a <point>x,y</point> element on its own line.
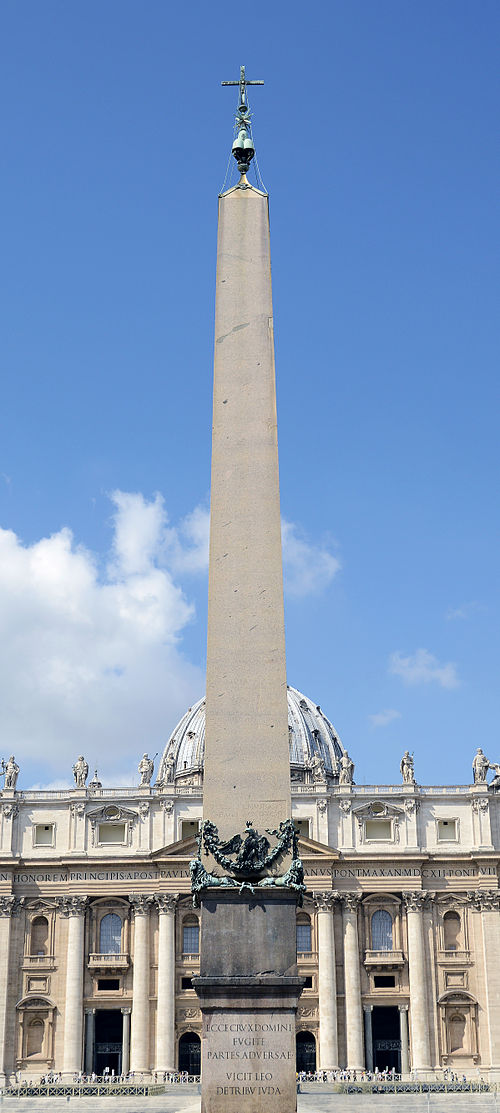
<point>320,1099</point>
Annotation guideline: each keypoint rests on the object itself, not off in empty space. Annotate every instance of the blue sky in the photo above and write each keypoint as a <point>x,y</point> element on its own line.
<point>375,138</point>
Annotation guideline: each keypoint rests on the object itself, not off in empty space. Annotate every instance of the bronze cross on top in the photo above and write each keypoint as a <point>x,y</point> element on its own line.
<point>242,84</point>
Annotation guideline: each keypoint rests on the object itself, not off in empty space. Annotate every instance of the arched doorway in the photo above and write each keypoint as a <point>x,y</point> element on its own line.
<point>305,1051</point>
<point>190,1053</point>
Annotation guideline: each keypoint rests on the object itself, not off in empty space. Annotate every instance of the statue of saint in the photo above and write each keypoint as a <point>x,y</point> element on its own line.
<point>480,766</point>
<point>346,775</point>
<point>170,771</point>
<point>146,767</point>
<point>80,772</point>
<point>11,770</point>
<point>318,768</point>
<point>407,768</point>
<point>495,783</point>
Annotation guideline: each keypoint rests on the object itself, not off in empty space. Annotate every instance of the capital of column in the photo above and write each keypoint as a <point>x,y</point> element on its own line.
<point>414,901</point>
<point>350,901</point>
<point>90,1012</point>
<point>484,900</point>
<point>166,903</point>
<point>71,906</point>
<point>141,903</point>
<point>403,1008</point>
<point>126,1012</point>
<point>10,905</point>
<point>368,1008</point>
<point>324,902</point>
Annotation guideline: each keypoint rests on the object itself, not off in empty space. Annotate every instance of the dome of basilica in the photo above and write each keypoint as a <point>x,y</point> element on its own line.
<point>315,747</point>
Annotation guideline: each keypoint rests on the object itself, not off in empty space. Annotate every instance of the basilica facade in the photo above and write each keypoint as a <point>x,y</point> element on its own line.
<point>398,938</point>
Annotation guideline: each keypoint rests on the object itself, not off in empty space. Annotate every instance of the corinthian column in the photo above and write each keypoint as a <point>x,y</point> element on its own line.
<point>327,980</point>
<point>139,1047</point>
<point>165,1015</point>
<point>8,905</point>
<point>420,1047</point>
<point>353,1010</point>
<point>73,909</point>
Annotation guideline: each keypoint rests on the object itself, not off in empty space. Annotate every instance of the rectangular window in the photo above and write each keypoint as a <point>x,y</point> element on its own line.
<point>186,983</point>
<point>189,827</point>
<point>378,830</point>
<point>108,984</point>
<point>384,981</point>
<point>303,827</point>
<point>447,830</point>
<point>303,937</point>
<point>112,833</point>
<point>308,983</point>
<point>43,834</point>
<point>190,939</point>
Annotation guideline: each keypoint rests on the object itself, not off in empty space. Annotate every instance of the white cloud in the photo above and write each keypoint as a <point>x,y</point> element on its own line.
<point>466,610</point>
<point>383,718</point>
<point>423,668</point>
<point>308,569</point>
<point>91,659</point>
<point>91,664</point>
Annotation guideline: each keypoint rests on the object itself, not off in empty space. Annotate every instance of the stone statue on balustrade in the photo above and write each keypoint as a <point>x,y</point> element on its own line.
<point>480,766</point>
<point>495,766</point>
<point>146,768</point>
<point>11,770</point>
<point>317,767</point>
<point>346,775</point>
<point>407,768</point>
<point>80,771</point>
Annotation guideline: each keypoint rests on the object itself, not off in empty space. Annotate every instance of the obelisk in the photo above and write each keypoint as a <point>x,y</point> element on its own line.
<point>248,985</point>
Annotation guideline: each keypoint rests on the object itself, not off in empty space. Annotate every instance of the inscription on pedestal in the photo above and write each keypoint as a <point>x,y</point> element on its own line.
<point>248,1062</point>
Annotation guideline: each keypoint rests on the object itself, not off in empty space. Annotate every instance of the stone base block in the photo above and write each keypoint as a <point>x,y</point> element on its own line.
<point>248,990</point>
<point>248,1044</point>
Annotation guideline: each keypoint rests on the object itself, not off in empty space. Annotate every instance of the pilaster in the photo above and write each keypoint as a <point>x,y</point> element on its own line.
<point>73,909</point>
<point>139,1047</point>
<point>420,1045</point>
<point>327,981</point>
<point>353,1009</point>
<point>165,1015</point>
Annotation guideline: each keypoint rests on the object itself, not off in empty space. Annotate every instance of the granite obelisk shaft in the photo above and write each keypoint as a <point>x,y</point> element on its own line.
<point>248,985</point>
<point>246,744</point>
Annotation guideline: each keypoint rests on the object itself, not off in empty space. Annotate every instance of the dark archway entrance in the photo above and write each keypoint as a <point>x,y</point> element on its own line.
<point>190,1053</point>
<point>305,1051</point>
<point>386,1035</point>
<point>108,1042</point>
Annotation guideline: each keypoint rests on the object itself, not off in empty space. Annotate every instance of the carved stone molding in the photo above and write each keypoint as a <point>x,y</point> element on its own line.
<point>415,901</point>
<point>485,900</point>
<point>166,902</point>
<point>305,1011</point>
<point>324,902</point>
<point>144,809</point>
<point>411,805</point>
<point>167,805</point>
<point>77,810</point>
<point>10,810</point>
<point>141,903</point>
<point>346,806</point>
<point>480,804</point>
<point>189,1014</point>
<point>71,906</point>
<point>322,805</point>
<point>10,905</point>
<point>350,901</point>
